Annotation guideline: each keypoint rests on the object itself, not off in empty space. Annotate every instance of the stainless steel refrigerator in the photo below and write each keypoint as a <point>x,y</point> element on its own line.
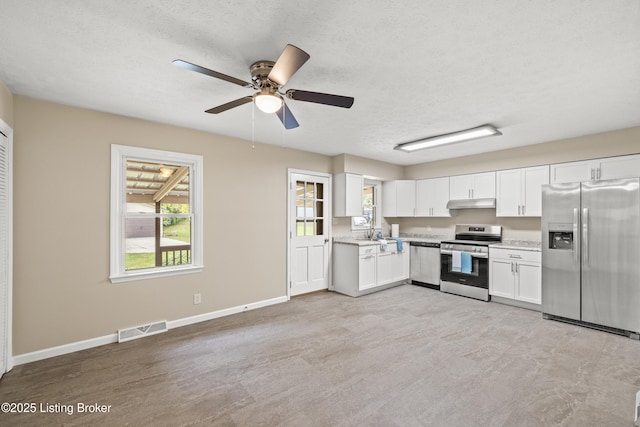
<point>591,253</point>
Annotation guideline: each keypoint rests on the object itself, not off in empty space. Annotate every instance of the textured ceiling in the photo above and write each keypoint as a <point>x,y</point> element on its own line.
<point>539,70</point>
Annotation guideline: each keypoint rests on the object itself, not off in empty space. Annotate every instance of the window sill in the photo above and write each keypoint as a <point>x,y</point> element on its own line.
<point>129,277</point>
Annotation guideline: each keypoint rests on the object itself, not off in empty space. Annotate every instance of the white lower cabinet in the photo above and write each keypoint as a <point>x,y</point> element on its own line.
<point>516,275</point>
<point>367,271</point>
<point>393,266</point>
<point>359,270</point>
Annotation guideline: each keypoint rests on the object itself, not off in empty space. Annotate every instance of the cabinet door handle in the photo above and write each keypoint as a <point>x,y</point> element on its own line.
<point>598,173</point>
<point>523,209</point>
<point>516,264</point>
<point>518,210</point>
<point>512,266</point>
<point>592,174</point>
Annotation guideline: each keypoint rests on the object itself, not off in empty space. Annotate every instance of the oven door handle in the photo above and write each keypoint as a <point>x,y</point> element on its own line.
<point>473,254</point>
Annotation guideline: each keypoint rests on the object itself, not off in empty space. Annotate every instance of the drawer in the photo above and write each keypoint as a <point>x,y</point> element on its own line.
<point>515,255</point>
<point>368,250</point>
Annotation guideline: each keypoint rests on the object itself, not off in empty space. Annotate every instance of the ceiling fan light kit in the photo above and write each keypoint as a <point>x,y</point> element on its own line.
<point>268,78</point>
<point>268,101</point>
<point>449,138</point>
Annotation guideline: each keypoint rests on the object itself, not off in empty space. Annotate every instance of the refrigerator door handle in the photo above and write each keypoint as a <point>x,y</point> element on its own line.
<point>585,236</point>
<point>576,243</point>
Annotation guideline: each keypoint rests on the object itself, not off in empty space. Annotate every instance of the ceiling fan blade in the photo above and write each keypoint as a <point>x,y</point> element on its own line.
<point>229,105</point>
<point>286,117</point>
<point>290,61</point>
<point>320,98</point>
<point>193,67</point>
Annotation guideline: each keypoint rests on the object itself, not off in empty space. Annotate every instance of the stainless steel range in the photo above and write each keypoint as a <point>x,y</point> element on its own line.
<point>464,262</point>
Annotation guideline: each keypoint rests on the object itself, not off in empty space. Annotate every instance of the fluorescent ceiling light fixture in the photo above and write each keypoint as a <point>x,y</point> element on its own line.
<point>268,101</point>
<point>449,138</point>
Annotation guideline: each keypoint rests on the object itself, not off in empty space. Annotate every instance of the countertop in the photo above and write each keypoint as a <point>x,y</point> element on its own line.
<point>349,240</point>
<point>521,245</point>
<point>362,242</point>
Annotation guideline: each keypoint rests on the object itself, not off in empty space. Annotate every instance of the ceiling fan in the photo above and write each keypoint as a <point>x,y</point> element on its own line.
<point>268,78</point>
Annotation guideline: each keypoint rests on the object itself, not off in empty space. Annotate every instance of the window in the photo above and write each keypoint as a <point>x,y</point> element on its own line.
<point>156,213</point>
<point>309,208</point>
<point>370,203</point>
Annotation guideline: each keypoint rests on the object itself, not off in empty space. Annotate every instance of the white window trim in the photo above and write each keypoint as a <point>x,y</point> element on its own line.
<point>119,156</point>
<point>377,185</point>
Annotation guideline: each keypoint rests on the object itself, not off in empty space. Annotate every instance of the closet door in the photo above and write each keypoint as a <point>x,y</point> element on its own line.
<point>5,224</point>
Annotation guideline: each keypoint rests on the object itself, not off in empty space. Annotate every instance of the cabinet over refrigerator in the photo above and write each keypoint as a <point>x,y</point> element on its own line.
<point>591,254</point>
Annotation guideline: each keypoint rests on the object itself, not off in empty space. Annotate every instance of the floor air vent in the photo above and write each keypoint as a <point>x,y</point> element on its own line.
<point>141,331</point>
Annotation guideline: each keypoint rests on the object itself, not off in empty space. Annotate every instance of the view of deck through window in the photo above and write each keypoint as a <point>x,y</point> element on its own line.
<point>158,218</point>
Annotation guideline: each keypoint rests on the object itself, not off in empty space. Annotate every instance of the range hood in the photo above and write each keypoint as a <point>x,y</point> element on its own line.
<point>472,204</point>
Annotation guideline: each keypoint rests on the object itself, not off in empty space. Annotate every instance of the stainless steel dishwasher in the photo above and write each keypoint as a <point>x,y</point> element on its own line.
<point>425,264</point>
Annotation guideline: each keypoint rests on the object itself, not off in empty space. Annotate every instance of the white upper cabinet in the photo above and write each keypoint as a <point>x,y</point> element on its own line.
<point>596,169</point>
<point>519,191</point>
<point>473,186</point>
<point>347,194</point>
<point>574,171</point>
<point>432,196</point>
<point>398,198</point>
<point>619,167</point>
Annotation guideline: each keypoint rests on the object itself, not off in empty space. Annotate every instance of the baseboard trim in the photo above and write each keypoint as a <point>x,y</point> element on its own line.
<point>47,353</point>
<point>225,312</point>
<point>60,350</point>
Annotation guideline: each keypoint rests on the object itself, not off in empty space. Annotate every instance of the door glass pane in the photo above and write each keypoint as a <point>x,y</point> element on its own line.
<point>319,190</point>
<point>310,228</point>
<point>299,228</point>
<point>319,210</point>
<point>319,227</point>
<point>299,189</point>
<point>300,208</point>
<point>309,190</point>
<point>309,212</point>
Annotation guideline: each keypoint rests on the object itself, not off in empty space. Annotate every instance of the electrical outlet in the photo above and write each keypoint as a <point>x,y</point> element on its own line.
<point>197,298</point>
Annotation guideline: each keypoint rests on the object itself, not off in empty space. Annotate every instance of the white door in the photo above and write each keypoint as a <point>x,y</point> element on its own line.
<point>5,249</point>
<point>309,230</point>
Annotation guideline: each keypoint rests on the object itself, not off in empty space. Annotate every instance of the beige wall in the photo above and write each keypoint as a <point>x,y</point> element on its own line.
<point>6,104</point>
<point>62,293</point>
<point>371,168</point>
<point>619,142</point>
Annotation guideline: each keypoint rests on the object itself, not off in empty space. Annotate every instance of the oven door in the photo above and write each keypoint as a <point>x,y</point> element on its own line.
<point>479,276</point>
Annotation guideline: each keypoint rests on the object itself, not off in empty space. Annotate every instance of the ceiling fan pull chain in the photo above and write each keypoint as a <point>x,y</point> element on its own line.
<point>253,126</point>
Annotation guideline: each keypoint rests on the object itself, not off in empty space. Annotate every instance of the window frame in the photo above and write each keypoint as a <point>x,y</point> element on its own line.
<point>377,196</point>
<point>120,154</point>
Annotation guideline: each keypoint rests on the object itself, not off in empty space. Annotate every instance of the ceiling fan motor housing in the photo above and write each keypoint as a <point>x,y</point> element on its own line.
<point>259,74</point>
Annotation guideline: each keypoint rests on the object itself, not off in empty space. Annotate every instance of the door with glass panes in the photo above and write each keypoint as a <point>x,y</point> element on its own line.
<point>309,232</point>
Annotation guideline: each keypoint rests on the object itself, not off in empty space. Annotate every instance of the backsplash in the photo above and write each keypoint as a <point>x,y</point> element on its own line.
<point>522,229</point>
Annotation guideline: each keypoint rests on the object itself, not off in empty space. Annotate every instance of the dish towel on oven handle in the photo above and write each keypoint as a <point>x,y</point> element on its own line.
<point>456,261</point>
<point>465,261</point>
